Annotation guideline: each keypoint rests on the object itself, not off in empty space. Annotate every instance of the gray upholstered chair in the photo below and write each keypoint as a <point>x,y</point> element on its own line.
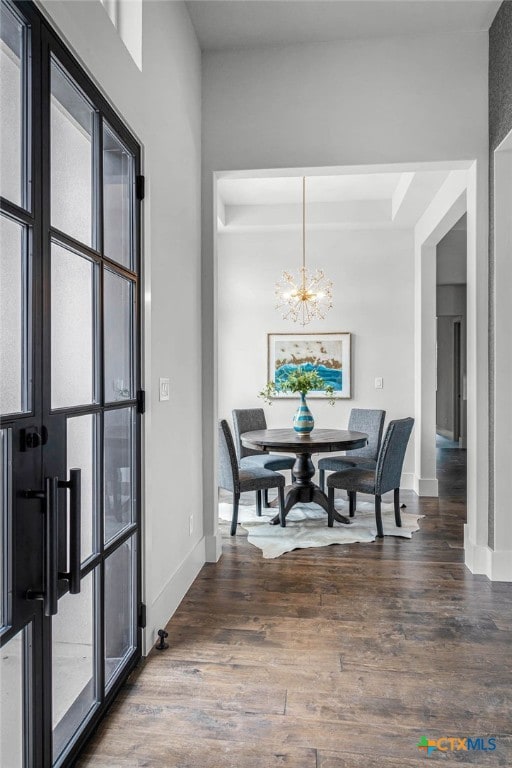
<point>249,420</point>
<point>361,420</point>
<point>233,478</point>
<point>385,477</point>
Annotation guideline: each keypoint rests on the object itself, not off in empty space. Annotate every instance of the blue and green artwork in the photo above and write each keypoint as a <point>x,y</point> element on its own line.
<point>326,354</point>
<point>330,376</point>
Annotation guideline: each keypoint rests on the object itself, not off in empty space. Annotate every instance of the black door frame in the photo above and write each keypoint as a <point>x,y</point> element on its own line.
<point>42,42</point>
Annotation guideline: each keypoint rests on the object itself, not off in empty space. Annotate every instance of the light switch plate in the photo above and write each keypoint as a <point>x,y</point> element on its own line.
<point>164,389</point>
<point>379,382</point>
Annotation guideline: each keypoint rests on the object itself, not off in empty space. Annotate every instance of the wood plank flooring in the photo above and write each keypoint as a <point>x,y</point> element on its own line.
<point>338,657</point>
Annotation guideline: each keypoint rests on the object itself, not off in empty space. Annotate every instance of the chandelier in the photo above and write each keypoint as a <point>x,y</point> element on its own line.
<point>307,296</point>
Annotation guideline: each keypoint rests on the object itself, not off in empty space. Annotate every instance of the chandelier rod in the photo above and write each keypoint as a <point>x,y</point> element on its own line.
<point>303,225</point>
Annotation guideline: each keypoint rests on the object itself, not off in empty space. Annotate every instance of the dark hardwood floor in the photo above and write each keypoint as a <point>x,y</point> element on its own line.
<point>338,657</point>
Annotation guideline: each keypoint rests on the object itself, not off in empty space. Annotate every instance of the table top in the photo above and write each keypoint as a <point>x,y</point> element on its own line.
<point>318,441</point>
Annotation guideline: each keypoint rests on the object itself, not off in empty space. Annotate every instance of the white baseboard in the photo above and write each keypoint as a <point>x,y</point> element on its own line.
<point>171,595</point>
<point>476,557</point>
<point>501,565</point>
<point>213,547</point>
<point>426,486</point>
<point>495,564</point>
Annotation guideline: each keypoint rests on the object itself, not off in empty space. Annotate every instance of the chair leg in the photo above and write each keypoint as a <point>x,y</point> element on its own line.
<point>352,498</point>
<point>330,507</point>
<point>234,519</point>
<point>266,502</point>
<point>282,518</point>
<point>258,503</point>
<point>378,517</point>
<point>321,479</point>
<point>398,519</point>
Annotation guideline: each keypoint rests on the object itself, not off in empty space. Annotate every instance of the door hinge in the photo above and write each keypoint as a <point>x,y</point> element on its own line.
<point>142,616</point>
<point>140,187</point>
<point>141,401</point>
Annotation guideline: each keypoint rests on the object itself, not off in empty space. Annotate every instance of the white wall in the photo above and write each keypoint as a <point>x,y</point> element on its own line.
<point>162,106</point>
<point>451,258</point>
<point>451,300</point>
<point>347,104</point>
<point>379,313</point>
<point>500,560</point>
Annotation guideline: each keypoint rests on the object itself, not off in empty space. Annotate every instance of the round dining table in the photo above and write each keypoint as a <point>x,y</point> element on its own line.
<point>303,489</point>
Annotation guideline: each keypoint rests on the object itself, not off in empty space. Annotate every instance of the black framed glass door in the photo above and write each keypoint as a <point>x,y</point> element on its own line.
<point>70,426</point>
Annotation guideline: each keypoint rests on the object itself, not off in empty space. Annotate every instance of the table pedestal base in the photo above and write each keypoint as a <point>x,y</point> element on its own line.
<point>304,491</point>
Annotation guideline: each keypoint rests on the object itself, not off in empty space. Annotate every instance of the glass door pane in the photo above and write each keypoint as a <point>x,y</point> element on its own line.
<point>72,131</point>
<point>14,317</point>
<point>73,324</point>
<point>73,664</point>
<point>12,101</point>
<point>119,607</point>
<point>119,309</point>
<point>5,524</point>
<point>12,727</point>
<point>118,180</point>
<point>119,432</point>
<point>82,452</point>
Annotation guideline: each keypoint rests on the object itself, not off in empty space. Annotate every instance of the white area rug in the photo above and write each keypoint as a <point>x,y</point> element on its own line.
<point>306,526</point>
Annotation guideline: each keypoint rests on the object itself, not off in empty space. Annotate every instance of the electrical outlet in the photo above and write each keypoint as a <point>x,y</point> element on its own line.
<point>191,525</point>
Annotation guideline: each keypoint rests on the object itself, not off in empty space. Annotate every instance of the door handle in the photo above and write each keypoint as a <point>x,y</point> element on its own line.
<point>75,529</point>
<point>50,572</point>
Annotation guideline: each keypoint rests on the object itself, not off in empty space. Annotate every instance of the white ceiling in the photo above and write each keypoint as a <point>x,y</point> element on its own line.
<point>319,189</point>
<point>235,24</point>
<point>353,201</point>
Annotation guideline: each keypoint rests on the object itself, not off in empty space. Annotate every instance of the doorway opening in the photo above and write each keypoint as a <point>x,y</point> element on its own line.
<point>451,361</point>
<point>254,241</point>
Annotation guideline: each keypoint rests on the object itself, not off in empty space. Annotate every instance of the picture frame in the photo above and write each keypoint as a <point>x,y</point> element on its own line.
<point>327,353</point>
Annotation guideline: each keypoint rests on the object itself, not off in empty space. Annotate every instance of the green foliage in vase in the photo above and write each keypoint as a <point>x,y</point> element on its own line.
<point>298,382</point>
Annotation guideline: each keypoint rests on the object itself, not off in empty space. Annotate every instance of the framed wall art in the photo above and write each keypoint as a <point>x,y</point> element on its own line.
<point>326,353</point>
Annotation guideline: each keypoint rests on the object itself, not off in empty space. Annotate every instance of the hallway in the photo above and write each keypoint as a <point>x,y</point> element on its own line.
<point>153,170</point>
<point>451,470</point>
<point>327,658</point>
